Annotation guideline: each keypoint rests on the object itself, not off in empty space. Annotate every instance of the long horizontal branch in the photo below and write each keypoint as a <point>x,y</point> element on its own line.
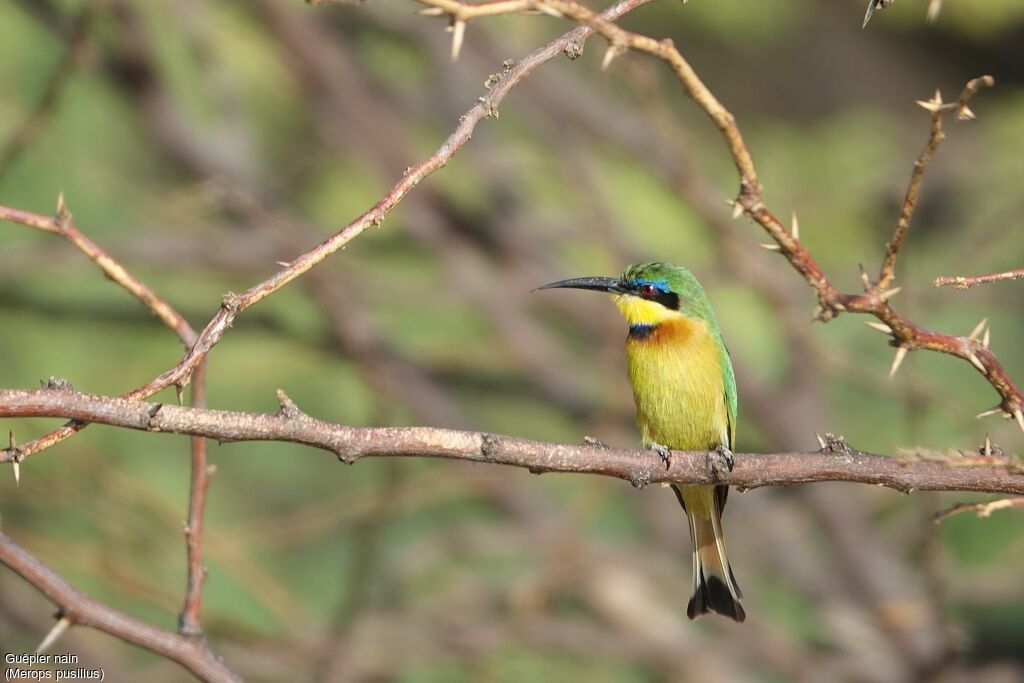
<point>834,462</point>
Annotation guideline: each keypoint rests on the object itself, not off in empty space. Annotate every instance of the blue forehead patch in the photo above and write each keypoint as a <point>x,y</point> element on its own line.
<point>660,284</point>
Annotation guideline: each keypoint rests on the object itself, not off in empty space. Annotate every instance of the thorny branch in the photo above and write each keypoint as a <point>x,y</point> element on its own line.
<point>460,13</point>
<point>836,461</point>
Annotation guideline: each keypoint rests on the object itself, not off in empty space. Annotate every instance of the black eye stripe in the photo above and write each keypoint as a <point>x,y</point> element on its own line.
<point>669,300</point>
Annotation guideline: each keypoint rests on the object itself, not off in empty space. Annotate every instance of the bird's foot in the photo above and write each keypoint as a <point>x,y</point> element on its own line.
<point>663,451</point>
<point>721,461</point>
<point>593,441</point>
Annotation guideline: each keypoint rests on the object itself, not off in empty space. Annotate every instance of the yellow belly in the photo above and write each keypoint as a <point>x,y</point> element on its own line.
<point>678,386</point>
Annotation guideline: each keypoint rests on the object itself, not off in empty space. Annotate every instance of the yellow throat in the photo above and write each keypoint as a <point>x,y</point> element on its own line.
<point>639,311</point>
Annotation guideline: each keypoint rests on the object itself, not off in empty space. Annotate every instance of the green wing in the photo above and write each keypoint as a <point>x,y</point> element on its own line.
<point>731,400</point>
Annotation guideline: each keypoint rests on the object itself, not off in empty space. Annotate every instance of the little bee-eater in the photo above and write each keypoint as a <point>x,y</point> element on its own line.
<point>685,394</point>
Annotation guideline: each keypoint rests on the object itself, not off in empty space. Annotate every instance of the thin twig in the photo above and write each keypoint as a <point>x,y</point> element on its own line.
<point>961,282</point>
<point>189,620</point>
<point>939,110</point>
<point>834,462</point>
<point>981,509</point>
<point>62,224</point>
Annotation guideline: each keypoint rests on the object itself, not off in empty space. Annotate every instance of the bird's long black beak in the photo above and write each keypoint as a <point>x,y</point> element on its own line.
<point>596,284</point>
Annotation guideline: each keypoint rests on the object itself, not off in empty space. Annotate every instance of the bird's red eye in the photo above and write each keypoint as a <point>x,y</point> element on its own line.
<point>647,290</point>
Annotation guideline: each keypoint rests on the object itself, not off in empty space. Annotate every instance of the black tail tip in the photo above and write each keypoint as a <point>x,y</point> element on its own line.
<point>713,596</point>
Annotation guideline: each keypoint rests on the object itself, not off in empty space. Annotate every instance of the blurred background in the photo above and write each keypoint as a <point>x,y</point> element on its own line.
<point>200,142</point>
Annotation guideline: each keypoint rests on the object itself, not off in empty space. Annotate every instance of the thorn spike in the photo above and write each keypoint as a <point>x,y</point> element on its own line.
<point>987,338</point>
<point>821,441</point>
<point>889,293</point>
<point>56,632</point>
<point>63,216</point>
<point>795,227</point>
<point>864,277</point>
<point>976,362</point>
<point>965,114</point>
<point>770,247</point>
<point>901,353</point>
<point>1019,417</point>
<point>737,210</point>
<point>933,105</point>
<point>881,327</point>
<point>978,329</point>
<point>458,34</point>
<point>990,411</point>
<point>16,466</point>
<point>611,53</point>
<point>867,17</point>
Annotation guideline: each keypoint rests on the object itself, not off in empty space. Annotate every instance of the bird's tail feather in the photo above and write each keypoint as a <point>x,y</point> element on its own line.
<point>714,584</point>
